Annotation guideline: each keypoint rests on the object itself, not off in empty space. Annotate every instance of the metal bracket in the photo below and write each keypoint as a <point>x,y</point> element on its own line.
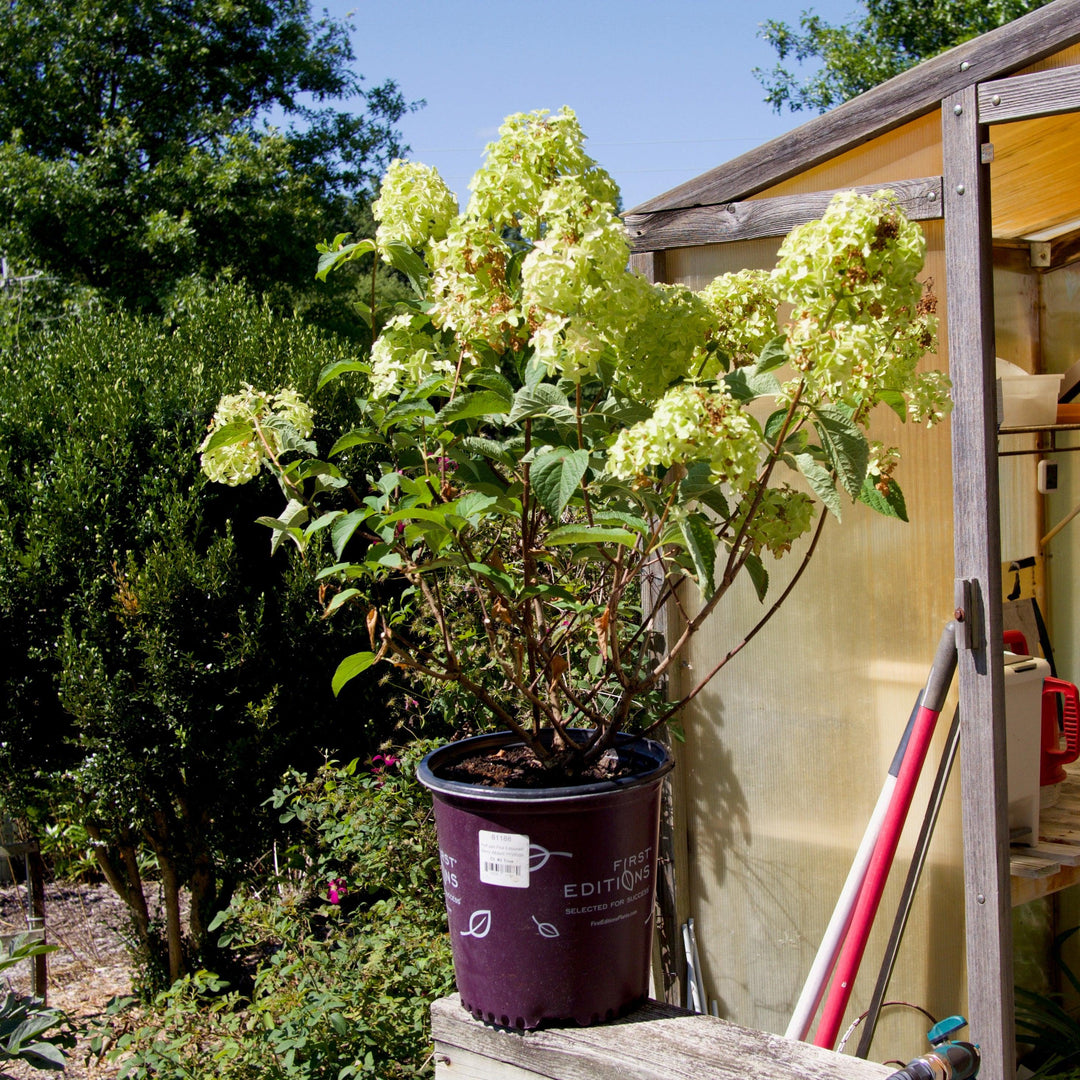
<point>968,615</point>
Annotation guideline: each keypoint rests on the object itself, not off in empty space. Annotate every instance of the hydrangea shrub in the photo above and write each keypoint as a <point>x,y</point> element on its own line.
<point>564,443</point>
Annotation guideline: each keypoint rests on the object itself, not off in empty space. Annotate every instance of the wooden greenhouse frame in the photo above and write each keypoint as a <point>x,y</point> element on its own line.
<point>972,88</point>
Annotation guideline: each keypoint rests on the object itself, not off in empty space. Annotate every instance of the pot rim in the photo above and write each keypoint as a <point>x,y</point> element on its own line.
<point>426,770</point>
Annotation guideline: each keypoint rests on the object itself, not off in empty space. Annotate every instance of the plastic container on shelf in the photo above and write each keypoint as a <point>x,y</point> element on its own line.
<point>1026,400</point>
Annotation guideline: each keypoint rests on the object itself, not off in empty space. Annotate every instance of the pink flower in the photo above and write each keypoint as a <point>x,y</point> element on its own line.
<point>339,889</point>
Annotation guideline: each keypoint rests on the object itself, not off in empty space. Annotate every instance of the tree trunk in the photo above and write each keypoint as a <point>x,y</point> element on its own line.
<point>127,888</point>
<point>170,884</point>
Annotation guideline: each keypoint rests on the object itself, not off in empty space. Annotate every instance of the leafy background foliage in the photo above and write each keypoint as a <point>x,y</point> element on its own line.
<point>891,36</point>
<point>338,989</point>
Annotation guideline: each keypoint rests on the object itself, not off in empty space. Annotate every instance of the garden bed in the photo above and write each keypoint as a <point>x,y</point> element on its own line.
<point>90,967</point>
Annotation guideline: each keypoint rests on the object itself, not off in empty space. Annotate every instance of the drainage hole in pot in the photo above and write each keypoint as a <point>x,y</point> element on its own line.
<point>504,1021</point>
<point>491,1018</point>
<point>519,1023</point>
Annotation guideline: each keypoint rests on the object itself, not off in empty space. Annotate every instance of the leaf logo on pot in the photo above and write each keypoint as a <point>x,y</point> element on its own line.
<point>479,924</point>
<point>539,855</point>
<point>545,928</point>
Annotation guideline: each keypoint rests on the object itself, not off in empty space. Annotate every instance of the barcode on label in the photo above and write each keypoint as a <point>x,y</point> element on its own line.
<point>504,859</point>
<point>512,869</point>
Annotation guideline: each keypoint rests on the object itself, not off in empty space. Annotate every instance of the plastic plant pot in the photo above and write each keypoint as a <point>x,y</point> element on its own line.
<point>549,891</point>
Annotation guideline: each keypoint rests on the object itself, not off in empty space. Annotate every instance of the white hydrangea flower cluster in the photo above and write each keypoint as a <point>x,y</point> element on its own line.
<point>782,515</point>
<point>414,206</point>
<point>663,332</point>
<point>929,400</point>
<point>691,423</point>
<point>532,151</point>
<point>744,306</point>
<point>858,323</point>
<point>882,464</point>
<point>237,462</point>
<point>405,355</point>
<point>469,291</point>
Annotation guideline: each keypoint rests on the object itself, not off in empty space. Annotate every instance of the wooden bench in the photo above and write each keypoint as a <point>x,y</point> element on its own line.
<point>657,1042</point>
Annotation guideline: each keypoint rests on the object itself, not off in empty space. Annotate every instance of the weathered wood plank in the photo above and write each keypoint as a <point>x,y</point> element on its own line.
<point>756,218</point>
<point>658,1042</point>
<point>1022,97</point>
<point>1032,866</point>
<point>977,550</point>
<point>887,106</point>
<point>651,265</point>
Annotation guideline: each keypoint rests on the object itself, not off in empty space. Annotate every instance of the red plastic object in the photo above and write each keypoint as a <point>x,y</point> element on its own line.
<point>1054,756</point>
<point>1016,643</point>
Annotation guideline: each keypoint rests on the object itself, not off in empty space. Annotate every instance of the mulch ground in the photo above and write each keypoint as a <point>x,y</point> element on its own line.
<point>90,967</point>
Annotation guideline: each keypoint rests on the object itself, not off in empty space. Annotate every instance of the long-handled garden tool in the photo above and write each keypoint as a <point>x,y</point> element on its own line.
<point>847,966</point>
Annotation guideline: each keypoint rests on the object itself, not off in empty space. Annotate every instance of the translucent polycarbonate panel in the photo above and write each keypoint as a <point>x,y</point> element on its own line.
<point>1034,177</point>
<point>1061,349</point>
<point>906,153</point>
<point>787,749</point>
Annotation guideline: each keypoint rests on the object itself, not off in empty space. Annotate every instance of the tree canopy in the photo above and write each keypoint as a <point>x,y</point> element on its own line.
<point>891,36</point>
<point>144,143</point>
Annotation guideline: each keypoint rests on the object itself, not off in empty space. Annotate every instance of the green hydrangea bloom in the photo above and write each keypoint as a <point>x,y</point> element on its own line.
<point>238,461</point>
<point>532,151</point>
<point>691,423</point>
<point>414,206</point>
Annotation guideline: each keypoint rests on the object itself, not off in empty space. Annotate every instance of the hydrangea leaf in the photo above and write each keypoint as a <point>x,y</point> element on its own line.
<point>701,544</point>
<point>891,503</point>
<point>821,480</point>
<point>556,475</point>
<point>844,445</point>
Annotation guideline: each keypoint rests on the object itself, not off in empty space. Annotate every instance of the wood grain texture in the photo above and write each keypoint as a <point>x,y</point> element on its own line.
<point>905,97</point>
<point>658,1042</point>
<point>1022,97</point>
<point>977,551</point>
<point>757,218</point>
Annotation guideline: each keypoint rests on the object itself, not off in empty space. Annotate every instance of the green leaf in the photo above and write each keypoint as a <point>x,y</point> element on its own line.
<point>844,445</point>
<point>340,599</point>
<point>701,543</point>
<point>356,437</point>
<point>339,367</point>
<point>556,476</point>
<point>230,434</point>
<point>758,575</point>
<point>337,254</point>
<point>591,534</point>
<point>746,384</point>
<point>698,486</point>
<point>537,401</point>
<point>475,446</point>
<point>502,582</point>
<point>616,517</point>
<point>323,521</point>
<point>896,401</point>
<point>773,356</point>
<point>492,380</point>
<point>407,410</point>
<point>349,668</point>
<point>821,480</point>
<point>891,505</point>
<point>403,258</point>
<point>342,530</point>
<point>479,403</point>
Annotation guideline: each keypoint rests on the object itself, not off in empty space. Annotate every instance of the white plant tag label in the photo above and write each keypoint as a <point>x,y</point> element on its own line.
<point>504,859</point>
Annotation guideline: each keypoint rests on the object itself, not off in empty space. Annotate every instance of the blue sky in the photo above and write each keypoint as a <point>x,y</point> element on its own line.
<point>664,89</point>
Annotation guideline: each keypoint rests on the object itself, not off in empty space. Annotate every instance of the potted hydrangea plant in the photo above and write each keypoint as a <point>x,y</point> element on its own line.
<point>562,445</point>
